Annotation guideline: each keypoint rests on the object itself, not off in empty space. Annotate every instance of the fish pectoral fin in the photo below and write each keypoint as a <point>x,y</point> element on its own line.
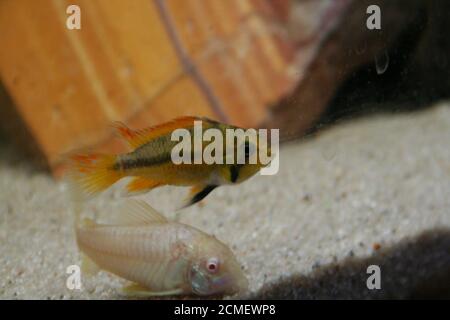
<point>140,185</point>
<point>137,290</point>
<point>198,193</point>
<point>138,212</point>
<point>88,266</point>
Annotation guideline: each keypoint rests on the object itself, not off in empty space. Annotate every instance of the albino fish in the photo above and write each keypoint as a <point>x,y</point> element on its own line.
<point>160,257</point>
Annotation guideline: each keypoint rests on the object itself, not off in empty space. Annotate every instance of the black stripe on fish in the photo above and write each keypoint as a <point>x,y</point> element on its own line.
<point>143,162</point>
<point>149,154</point>
<point>234,173</point>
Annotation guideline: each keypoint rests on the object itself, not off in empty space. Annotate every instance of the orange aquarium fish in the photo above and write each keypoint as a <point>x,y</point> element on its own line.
<point>158,256</point>
<point>151,164</point>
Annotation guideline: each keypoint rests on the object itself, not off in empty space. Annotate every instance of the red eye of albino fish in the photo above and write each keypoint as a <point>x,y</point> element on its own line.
<point>212,265</point>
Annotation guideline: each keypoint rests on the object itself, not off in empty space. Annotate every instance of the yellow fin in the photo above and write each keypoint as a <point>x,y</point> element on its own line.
<point>137,138</point>
<point>136,290</point>
<point>138,212</point>
<point>140,185</point>
<point>93,173</point>
<point>88,266</point>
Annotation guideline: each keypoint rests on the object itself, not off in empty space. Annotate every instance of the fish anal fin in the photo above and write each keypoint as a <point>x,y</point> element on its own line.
<point>138,212</point>
<point>137,290</point>
<point>137,138</point>
<point>88,266</point>
<point>140,185</point>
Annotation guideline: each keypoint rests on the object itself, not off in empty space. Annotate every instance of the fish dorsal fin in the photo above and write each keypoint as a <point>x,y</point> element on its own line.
<point>137,138</point>
<point>138,212</point>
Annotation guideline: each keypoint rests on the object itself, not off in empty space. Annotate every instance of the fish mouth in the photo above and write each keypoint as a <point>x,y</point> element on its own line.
<point>228,284</point>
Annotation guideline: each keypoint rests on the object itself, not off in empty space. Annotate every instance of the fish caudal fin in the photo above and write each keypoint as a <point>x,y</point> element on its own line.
<point>141,185</point>
<point>94,173</point>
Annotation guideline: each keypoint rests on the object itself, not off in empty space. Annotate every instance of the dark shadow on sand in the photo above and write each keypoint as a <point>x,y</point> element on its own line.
<point>417,268</point>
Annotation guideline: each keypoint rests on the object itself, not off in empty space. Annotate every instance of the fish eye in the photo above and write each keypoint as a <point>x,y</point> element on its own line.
<point>212,265</point>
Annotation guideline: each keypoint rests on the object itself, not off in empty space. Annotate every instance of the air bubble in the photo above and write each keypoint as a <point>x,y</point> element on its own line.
<point>382,62</point>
